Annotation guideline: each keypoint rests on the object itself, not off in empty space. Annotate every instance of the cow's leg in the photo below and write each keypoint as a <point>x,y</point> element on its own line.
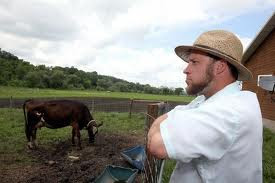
<point>34,138</point>
<point>77,132</point>
<point>73,136</point>
<point>91,134</point>
<point>28,135</point>
<point>32,143</point>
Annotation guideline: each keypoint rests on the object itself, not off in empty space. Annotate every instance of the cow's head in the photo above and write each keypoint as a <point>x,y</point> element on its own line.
<point>90,127</point>
<point>40,119</point>
<point>36,116</point>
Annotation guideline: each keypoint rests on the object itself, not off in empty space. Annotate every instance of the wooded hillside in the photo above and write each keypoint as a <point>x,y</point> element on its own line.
<point>17,72</point>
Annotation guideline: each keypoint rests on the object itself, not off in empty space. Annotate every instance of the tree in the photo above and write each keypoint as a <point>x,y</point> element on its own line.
<point>148,89</point>
<point>103,83</point>
<point>93,76</point>
<point>87,84</point>
<point>139,87</point>
<point>41,67</point>
<point>21,70</point>
<point>33,79</point>
<point>178,91</point>
<point>122,86</point>
<point>45,79</point>
<point>132,87</point>
<point>71,70</point>
<point>5,76</point>
<point>165,91</point>
<point>57,79</point>
<point>73,80</point>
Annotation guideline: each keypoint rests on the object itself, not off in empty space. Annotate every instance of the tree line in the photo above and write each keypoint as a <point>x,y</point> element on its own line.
<point>20,73</point>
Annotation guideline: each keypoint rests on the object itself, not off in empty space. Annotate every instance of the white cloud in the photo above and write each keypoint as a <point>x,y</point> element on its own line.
<point>161,66</point>
<point>246,42</point>
<point>35,19</point>
<point>129,39</point>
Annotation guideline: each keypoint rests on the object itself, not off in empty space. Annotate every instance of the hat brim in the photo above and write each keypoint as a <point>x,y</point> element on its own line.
<point>184,51</point>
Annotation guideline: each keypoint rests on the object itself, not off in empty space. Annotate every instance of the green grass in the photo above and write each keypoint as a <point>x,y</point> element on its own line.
<point>13,140</point>
<point>18,92</point>
<point>269,156</point>
<point>121,123</point>
<point>168,169</point>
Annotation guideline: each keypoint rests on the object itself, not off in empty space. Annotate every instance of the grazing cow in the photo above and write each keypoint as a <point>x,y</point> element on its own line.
<point>57,114</point>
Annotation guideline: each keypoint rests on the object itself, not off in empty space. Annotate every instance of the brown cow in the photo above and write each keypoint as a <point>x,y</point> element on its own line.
<point>57,114</point>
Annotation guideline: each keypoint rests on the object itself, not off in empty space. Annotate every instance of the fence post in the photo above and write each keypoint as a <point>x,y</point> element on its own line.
<point>152,165</point>
<point>10,102</point>
<point>131,106</point>
<point>93,105</point>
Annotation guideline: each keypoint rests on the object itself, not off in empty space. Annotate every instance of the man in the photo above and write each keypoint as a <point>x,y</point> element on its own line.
<point>217,138</point>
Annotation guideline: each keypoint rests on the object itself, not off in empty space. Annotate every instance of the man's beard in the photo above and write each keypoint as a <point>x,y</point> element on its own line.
<point>199,88</point>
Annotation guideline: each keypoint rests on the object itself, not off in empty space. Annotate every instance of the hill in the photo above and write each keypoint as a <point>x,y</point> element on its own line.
<point>20,73</point>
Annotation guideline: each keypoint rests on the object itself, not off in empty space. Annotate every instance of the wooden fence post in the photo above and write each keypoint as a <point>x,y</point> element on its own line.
<point>93,105</point>
<point>10,102</point>
<point>131,106</point>
<point>152,165</point>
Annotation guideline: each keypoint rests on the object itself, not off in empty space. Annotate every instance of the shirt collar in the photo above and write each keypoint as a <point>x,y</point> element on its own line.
<point>227,90</point>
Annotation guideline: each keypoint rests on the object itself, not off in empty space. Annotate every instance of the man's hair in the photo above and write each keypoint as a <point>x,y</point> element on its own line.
<point>233,70</point>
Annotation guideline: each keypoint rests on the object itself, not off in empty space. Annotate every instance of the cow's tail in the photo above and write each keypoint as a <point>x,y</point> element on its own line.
<point>26,120</point>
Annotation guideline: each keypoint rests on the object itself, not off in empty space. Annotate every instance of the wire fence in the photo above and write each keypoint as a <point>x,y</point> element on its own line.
<point>98,104</point>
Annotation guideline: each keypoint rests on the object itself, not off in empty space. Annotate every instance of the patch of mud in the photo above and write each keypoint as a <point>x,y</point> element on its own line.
<point>64,163</point>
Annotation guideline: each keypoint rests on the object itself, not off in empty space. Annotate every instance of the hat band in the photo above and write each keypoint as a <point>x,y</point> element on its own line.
<point>207,47</point>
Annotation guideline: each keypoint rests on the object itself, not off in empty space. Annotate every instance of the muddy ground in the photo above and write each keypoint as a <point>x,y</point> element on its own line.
<point>64,163</point>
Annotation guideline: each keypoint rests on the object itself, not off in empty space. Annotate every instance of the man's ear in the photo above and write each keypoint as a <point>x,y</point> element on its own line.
<point>220,66</point>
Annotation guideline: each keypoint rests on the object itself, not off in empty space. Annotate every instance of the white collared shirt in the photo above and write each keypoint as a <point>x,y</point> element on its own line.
<point>218,140</point>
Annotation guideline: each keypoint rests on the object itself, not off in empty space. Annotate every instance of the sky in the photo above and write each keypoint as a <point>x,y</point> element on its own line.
<point>132,40</point>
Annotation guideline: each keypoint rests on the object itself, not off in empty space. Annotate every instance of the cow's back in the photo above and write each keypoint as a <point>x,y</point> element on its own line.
<point>60,113</point>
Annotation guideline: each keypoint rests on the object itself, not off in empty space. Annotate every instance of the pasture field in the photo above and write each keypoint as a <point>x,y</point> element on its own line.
<point>16,92</point>
<point>19,164</point>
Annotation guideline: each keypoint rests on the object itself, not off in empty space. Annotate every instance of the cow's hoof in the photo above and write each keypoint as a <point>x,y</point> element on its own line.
<point>31,146</point>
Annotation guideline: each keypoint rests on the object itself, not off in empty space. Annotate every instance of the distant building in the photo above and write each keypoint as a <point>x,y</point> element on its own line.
<point>259,58</point>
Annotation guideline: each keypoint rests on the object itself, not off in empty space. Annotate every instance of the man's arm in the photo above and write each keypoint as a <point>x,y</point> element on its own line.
<point>155,143</point>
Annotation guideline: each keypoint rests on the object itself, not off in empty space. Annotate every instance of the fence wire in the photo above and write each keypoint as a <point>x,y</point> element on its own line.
<point>95,104</point>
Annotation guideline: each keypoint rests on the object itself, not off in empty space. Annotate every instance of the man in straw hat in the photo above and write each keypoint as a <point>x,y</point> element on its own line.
<point>217,138</point>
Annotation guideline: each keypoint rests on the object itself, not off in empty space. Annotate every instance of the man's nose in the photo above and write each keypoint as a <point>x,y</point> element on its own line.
<point>186,70</point>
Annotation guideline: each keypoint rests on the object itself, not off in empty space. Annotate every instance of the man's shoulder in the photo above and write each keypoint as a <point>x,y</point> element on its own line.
<point>241,95</point>
<point>244,95</point>
<point>234,100</point>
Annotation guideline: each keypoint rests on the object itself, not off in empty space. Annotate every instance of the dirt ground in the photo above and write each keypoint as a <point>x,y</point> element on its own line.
<point>64,163</point>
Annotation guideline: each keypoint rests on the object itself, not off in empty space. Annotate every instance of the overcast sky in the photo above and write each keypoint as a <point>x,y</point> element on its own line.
<point>129,39</point>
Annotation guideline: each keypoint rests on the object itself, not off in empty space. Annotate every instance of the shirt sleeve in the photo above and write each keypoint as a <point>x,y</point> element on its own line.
<point>208,130</point>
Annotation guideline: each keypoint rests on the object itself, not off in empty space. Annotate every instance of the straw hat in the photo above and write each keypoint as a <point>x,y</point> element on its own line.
<point>222,44</point>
